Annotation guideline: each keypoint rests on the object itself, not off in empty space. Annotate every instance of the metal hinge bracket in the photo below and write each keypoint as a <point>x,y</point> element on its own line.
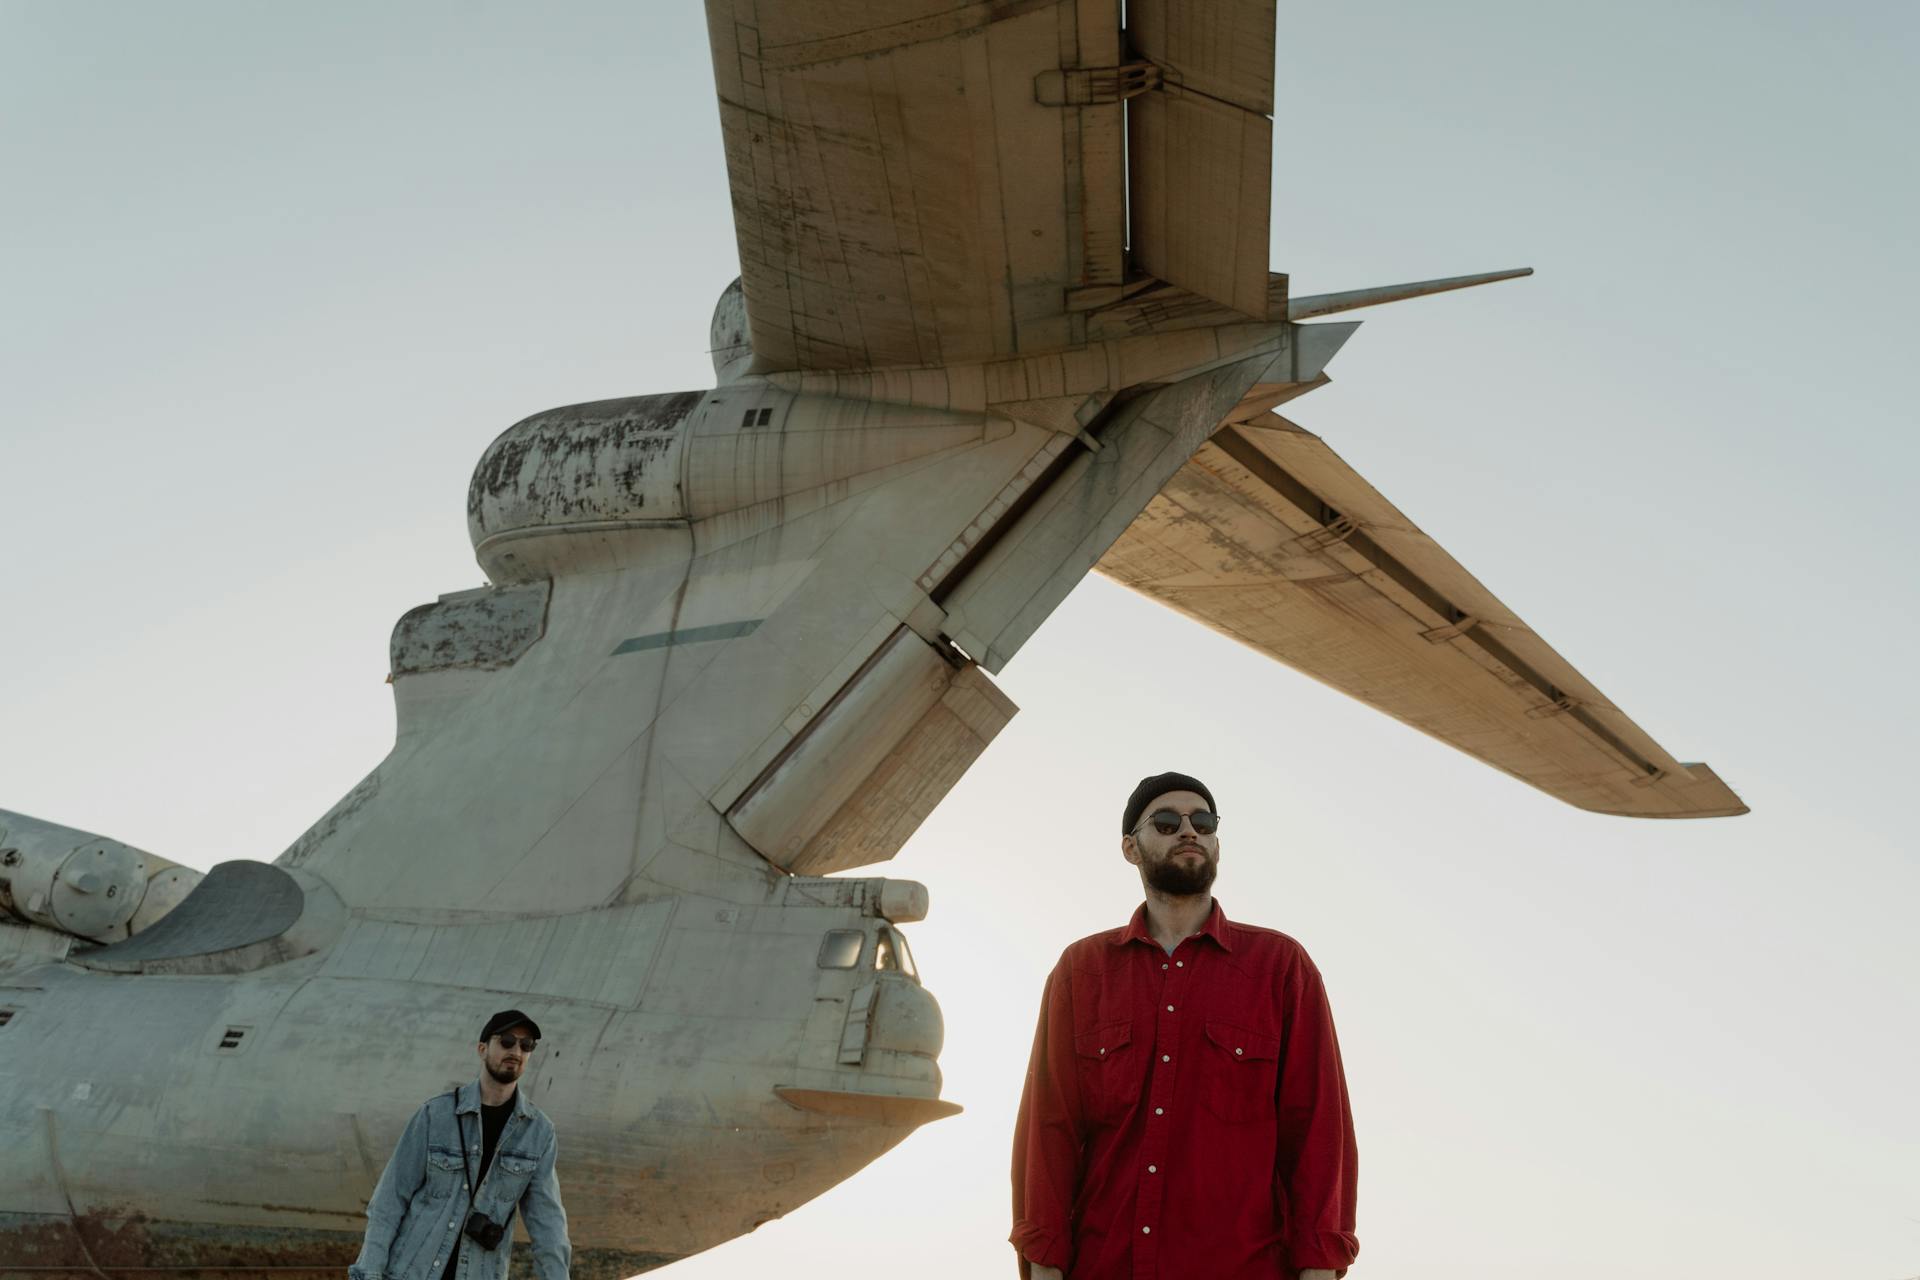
<point>1325,538</point>
<point>1095,86</point>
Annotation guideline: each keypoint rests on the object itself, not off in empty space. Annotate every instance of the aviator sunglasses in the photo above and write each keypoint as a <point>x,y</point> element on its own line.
<point>1167,822</point>
<point>526,1043</point>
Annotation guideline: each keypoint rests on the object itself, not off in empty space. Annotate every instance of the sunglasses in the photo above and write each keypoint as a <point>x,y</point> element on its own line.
<point>1167,822</point>
<point>526,1043</point>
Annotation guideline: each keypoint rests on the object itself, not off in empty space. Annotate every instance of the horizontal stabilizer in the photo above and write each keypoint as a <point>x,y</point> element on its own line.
<point>1326,304</point>
<point>1268,536</point>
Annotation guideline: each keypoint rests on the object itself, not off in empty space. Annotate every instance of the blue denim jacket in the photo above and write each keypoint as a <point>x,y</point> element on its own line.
<point>418,1210</point>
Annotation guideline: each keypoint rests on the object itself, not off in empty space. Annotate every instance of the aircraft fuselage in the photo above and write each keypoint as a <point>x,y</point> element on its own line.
<point>222,1121</point>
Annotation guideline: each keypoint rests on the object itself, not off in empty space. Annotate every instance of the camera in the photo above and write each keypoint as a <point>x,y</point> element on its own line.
<point>484,1231</point>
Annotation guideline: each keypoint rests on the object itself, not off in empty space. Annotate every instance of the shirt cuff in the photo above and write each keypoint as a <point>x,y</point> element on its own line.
<point>1334,1250</point>
<point>1038,1244</point>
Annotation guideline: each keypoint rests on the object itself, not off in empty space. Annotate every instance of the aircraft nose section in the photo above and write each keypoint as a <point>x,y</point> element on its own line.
<point>889,1070</point>
<point>906,1031</point>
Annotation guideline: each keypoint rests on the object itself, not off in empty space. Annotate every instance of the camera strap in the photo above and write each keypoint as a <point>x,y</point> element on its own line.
<point>460,1131</point>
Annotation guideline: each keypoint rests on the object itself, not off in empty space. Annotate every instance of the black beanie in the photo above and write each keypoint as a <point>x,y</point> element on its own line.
<point>1158,785</point>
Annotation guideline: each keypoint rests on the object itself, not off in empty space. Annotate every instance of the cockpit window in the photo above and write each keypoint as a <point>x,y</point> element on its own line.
<point>841,949</point>
<point>892,953</point>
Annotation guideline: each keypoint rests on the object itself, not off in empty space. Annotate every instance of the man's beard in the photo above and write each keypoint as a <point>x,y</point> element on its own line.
<point>501,1074</point>
<point>1178,880</point>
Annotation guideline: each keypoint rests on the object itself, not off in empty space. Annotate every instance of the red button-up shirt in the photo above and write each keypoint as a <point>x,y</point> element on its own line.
<point>1185,1115</point>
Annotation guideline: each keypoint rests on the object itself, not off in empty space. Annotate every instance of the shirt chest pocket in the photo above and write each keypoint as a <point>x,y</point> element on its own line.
<point>1241,1072</point>
<point>1111,1071</point>
<point>445,1174</point>
<point>511,1173</point>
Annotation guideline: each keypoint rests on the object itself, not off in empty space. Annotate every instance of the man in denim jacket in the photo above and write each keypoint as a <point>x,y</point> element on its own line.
<point>482,1149</point>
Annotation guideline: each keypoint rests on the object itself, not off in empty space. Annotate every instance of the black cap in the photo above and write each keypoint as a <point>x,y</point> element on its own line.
<point>507,1020</point>
<point>1158,785</point>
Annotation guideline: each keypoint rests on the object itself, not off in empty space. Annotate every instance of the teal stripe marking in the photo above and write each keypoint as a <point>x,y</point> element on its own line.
<point>692,635</point>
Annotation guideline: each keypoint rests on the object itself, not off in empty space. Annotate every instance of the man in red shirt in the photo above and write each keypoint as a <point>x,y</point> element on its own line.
<point>1185,1114</point>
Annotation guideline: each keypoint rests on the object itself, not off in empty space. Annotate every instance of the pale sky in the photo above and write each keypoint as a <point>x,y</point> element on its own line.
<point>271,277</point>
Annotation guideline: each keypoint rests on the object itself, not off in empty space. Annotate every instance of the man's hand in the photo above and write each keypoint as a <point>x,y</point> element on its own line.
<point>1038,1272</point>
<point>1317,1273</point>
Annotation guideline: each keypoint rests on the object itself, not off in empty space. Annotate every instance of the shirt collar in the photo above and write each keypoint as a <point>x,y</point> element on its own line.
<point>467,1098</point>
<point>1216,928</point>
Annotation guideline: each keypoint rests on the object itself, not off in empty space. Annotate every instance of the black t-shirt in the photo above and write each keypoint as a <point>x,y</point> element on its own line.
<point>492,1121</point>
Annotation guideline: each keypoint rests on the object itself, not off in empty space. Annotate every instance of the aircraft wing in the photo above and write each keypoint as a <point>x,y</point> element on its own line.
<point>925,182</point>
<point>1267,536</point>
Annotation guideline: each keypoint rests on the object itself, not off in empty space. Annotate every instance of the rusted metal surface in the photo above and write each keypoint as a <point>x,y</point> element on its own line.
<point>479,630</point>
<point>606,460</point>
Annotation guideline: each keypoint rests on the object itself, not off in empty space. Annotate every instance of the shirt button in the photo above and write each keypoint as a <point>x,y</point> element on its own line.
<point>1158,1111</point>
<point>1181,964</point>
<point>1163,966</point>
<point>1153,1168</point>
<point>1169,1008</point>
<point>1236,1053</point>
<point>1163,1058</point>
<point>1146,1231</point>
